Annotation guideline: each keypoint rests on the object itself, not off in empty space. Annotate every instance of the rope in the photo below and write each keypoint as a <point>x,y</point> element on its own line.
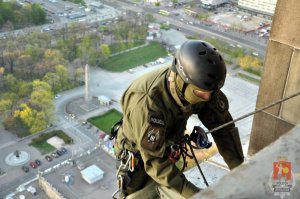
<point>188,141</point>
<point>254,112</point>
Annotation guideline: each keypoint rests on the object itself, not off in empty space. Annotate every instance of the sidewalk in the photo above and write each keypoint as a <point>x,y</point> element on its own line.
<point>234,72</point>
<point>146,44</point>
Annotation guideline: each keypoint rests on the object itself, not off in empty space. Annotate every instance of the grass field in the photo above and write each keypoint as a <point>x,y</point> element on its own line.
<point>44,147</point>
<point>106,121</point>
<point>137,57</point>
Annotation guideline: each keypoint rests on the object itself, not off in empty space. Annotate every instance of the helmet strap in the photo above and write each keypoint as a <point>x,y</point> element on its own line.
<point>175,91</point>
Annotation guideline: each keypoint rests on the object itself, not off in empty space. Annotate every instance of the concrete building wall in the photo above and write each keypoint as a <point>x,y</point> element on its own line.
<point>50,191</point>
<point>260,6</point>
<point>280,78</point>
<point>254,178</point>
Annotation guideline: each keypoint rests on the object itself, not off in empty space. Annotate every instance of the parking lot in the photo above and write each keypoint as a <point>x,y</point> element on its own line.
<point>241,21</point>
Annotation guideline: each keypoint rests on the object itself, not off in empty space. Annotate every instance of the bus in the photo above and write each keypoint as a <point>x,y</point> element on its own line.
<point>164,12</point>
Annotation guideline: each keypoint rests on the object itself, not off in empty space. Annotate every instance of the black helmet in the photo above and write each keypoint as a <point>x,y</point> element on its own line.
<point>198,63</point>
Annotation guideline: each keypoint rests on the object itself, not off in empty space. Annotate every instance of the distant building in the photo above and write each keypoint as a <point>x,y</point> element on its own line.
<point>153,1</point>
<point>76,15</point>
<point>153,31</point>
<point>92,174</point>
<point>211,4</point>
<point>258,7</point>
<point>96,5</point>
<point>153,26</point>
<point>104,100</point>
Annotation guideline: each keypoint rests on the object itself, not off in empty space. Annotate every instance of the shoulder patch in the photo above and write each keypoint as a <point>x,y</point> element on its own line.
<point>156,120</point>
<point>154,138</point>
<point>219,101</point>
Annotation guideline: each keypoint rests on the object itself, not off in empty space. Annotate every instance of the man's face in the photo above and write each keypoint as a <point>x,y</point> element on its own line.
<point>194,95</point>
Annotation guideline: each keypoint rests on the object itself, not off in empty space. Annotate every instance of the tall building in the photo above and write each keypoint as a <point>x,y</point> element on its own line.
<point>210,4</point>
<point>258,7</point>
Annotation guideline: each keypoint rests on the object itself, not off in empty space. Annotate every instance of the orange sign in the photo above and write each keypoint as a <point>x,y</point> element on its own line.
<point>282,169</point>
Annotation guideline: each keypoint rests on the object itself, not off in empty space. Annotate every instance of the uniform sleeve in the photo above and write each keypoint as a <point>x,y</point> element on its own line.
<point>214,114</point>
<point>150,132</point>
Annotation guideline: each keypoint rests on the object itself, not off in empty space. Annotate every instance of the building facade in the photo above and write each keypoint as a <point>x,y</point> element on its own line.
<point>211,4</point>
<point>258,7</point>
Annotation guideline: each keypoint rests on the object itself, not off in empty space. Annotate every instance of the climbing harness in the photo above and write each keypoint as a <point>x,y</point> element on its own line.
<point>128,162</point>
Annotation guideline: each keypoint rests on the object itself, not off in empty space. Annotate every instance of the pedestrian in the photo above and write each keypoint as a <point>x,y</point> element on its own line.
<point>156,108</point>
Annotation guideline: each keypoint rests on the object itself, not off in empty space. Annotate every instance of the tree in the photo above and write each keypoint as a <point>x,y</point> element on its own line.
<point>79,74</point>
<point>26,114</point>
<point>245,62</point>
<point>203,16</point>
<point>40,123</point>
<point>8,26</point>
<point>41,99</point>
<point>11,54</point>
<point>39,40</point>
<point>10,83</point>
<point>67,47</point>
<point>52,57</point>
<point>149,18</point>
<point>62,73</point>
<point>2,69</point>
<point>38,15</point>
<point>53,80</point>
<point>120,42</point>
<point>257,63</point>
<point>5,105</point>
<point>10,96</point>
<point>25,63</point>
<point>105,51</point>
<point>86,52</point>
<point>41,96</point>
<point>130,39</point>
<point>34,52</point>
<point>25,89</point>
<point>35,120</point>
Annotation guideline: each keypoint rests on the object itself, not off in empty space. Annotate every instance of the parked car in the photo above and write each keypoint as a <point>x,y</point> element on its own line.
<point>38,162</point>
<point>54,155</point>
<point>59,152</point>
<point>57,96</point>
<point>80,166</point>
<point>48,158</point>
<point>33,165</point>
<point>64,150</point>
<point>25,169</point>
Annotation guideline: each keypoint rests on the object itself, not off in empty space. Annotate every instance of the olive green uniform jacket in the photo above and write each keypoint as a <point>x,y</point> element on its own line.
<point>152,121</point>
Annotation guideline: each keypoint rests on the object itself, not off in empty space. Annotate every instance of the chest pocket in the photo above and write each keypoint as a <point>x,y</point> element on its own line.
<point>176,127</point>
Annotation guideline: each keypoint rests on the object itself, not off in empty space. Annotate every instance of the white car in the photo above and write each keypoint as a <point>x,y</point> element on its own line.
<point>57,96</point>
